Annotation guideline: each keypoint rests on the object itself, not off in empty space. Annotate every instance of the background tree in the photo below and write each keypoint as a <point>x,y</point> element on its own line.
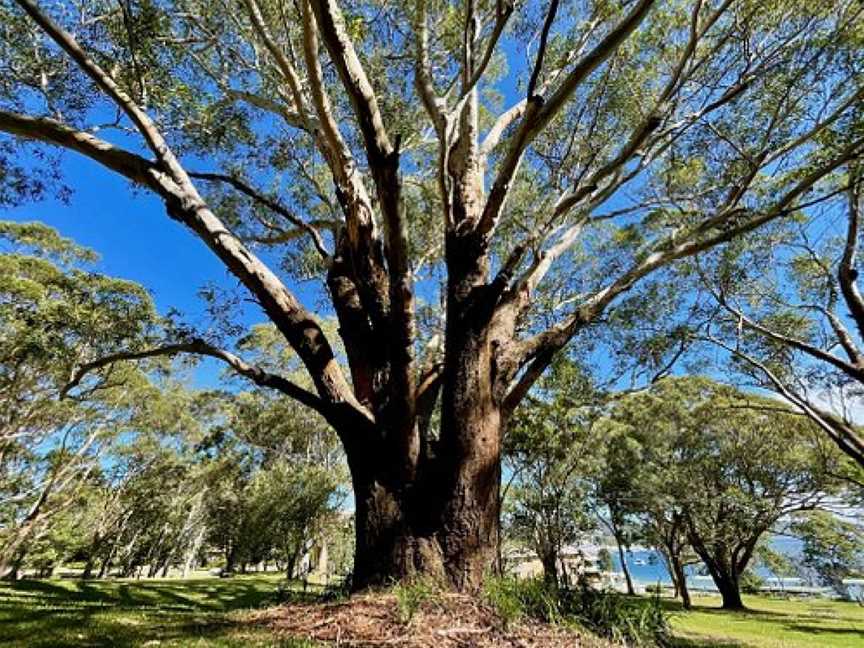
<point>614,494</point>
<point>833,548</point>
<point>635,135</point>
<point>664,527</point>
<point>112,467</point>
<point>738,469</point>
<point>55,314</point>
<point>548,451</point>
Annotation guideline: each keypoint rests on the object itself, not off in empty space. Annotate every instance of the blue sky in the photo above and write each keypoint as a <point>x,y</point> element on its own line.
<point>136,240</point>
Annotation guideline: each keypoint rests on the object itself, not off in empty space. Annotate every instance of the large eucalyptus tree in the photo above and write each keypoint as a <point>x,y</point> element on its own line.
<point>521,164</point>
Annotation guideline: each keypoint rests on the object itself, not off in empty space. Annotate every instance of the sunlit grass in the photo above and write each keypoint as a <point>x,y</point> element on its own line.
<point>209,612</point>
<point>173,613</point>
<point>770,623</point>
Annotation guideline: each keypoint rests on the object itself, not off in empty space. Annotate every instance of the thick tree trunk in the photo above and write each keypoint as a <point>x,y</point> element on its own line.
<point>725,579</point>
<point>443,528</point>
<point>726,564</point>
<point>730,591</point>
<point>427,504</point>
<point>442,524</point>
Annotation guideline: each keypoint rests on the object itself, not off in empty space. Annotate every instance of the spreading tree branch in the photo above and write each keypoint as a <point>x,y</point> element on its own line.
<point>537,352</point>
<point>270,203</point>
<point>847,273</point>
<point>540,112</point>
<point>184,204</point>
<point>202,348</point>
<point>844,435</point>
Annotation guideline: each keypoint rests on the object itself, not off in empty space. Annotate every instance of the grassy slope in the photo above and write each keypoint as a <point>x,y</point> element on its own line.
<point>770,623</point>
<point>59,613</point>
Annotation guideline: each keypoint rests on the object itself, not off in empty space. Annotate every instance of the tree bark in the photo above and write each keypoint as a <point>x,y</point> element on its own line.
<point>87,572</point>
<point>446,534</point>
<point>11,570</point>
<point>630,589</point>
<point>680,579</point>
<point>726,563</point>
<point>192,552</point>
<point>442,524</point>
<point>730,590</point>
<point>550,567</point>
<point>230,558</point>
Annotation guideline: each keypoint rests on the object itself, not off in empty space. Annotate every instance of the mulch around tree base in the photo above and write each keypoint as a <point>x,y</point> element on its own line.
<point>446,621</point>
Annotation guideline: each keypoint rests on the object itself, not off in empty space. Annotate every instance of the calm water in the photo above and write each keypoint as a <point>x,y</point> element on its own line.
<point>647,566</point>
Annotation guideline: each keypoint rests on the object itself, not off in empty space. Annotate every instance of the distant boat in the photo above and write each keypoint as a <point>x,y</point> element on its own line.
<point>639,562</point>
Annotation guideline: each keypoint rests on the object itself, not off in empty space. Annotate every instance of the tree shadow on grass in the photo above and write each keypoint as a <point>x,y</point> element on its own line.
<point>42,614</point>
<point>675,607</point>
<point>829,630</point>
<point>685,642</point>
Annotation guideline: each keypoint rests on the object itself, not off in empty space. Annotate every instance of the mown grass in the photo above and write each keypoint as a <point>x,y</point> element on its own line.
<point>769,623</point>
<point>209,612</point>
<point>205,612</point>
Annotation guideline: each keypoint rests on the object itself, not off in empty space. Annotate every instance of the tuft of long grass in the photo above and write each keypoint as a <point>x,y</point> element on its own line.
<point>634,622</point>
<point>411,595</point>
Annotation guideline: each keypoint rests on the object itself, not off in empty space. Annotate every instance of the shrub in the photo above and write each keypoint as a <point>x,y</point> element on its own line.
<point>751,583</point>
<point>514,599</point>
<point>636,622</point>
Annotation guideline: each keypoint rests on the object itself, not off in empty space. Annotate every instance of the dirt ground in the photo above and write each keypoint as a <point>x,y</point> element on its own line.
<point>445,621</point>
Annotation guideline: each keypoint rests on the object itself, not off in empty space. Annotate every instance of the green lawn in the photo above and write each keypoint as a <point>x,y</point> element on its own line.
<point>770,623</point>
<point>165,613</point>
<point>208,612</point>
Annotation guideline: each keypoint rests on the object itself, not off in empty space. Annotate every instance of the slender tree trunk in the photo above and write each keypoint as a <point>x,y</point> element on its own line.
<point>630,589</point>
<point>17,546</point>
<point>667,560</point>
<point>291,567</point>
<point>12,567</point>
<point>87,572</point>
<point>550,567</point>
<point>192,552</point>
<point>680,578</point>
<point>106,562</point>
